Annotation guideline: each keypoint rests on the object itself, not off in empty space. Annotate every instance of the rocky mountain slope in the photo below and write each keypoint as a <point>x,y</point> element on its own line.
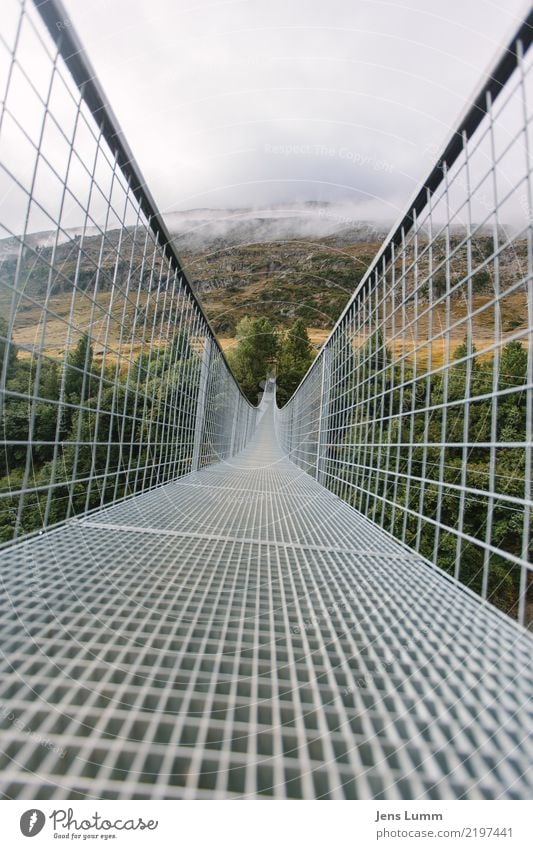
<point>294,261</point>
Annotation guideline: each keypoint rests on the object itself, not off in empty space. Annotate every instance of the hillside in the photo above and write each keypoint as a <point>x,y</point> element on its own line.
<point>283,263</point>
<point>281,280</point>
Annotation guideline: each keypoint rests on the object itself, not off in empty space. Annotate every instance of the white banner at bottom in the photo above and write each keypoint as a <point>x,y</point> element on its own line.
<point>255,824</point>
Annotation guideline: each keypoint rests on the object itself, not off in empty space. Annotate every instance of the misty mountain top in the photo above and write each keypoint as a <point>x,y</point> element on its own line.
<point>200,229</point>
<point>204,229</point>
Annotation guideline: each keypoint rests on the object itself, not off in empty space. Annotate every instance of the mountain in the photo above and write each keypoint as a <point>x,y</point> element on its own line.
<point>283,262</point>
<point>198,230</point>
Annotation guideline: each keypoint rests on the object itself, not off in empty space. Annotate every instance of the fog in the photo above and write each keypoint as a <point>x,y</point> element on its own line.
<point>249,103</point>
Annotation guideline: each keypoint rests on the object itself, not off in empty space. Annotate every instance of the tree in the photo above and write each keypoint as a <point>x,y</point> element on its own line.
<point>7,342</point>
<point>255,354</point>
<point>79,366</point>
<point>295,356</point>
<point>77,379</point>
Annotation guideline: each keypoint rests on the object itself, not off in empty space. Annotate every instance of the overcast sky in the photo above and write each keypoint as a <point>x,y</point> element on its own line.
<point>254,102</point>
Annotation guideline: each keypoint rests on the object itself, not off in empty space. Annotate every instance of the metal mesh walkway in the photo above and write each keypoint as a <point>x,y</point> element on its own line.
<point>242,631</point>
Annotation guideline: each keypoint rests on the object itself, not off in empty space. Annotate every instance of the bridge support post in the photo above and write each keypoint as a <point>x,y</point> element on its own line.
<point>322,438</point>
<point>236,415</point>
<point>200,405</point>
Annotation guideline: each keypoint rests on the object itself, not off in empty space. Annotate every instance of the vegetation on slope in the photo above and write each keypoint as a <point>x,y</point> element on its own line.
<point>107,439</point>
<point>261,350</point>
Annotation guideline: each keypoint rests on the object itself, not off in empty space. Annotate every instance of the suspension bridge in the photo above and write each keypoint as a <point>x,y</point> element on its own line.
<point>206,599</point>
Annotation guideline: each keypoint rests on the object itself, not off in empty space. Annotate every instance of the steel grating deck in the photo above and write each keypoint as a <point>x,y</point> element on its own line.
<point>242,632</point>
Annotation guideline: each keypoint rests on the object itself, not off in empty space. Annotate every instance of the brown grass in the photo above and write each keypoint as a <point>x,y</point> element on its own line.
<point>93,319</point>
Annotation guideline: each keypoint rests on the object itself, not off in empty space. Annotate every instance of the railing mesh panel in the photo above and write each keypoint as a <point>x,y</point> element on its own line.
<point>111,380</point>
<point>418,412</point>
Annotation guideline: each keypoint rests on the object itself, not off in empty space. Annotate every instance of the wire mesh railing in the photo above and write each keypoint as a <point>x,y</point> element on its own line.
<point>418,411</point>
<point>111,379</point>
